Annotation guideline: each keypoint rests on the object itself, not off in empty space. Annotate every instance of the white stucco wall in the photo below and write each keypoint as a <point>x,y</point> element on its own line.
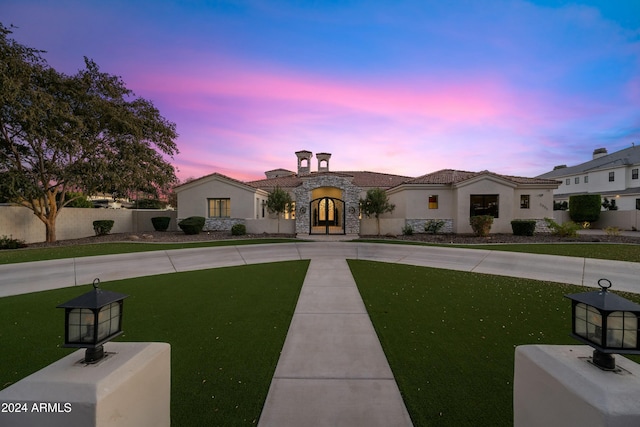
<point>193,198</point>
<point>506,196</point>
<point>413,202</point>
<point>540,203</point>
<point>74,223</point>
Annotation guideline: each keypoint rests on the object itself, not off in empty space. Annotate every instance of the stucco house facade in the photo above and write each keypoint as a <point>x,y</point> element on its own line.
<point>614,176</point>
<point>328,202</point>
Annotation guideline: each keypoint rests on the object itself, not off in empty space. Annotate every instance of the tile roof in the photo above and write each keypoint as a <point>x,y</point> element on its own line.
<point>452,176</point>
<point>363,179</point>
<point>367,179</point>
<point>215,174</point>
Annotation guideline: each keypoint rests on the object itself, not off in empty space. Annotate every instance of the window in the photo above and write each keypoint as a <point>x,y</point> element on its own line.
<point>634,173</point>
<point>586,179</point>
<point>433,201</point>
<point>612,176</point>
<point>638,204</point>
<point>568,181</point>
<point>577,180</point>
<point>524,201</point>
<point>219,208</point>
<point>484,204</point>
<point>292,214</point>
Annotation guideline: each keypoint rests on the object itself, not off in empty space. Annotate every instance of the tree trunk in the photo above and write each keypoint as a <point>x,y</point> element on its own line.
<point>47,211</point>
<point>278,223</point>
<point>378,224</point>
<point>50,227</point>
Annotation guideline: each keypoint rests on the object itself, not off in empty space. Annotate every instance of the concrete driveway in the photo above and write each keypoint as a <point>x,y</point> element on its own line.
<point>37,276</point>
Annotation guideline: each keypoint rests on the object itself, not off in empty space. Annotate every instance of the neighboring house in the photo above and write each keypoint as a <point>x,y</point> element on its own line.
<point>614,176</point>
<point>328,202</point>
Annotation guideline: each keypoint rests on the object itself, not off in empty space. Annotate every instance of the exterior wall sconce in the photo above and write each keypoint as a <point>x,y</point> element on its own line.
<point>91,320</point>
<point>606,322</point>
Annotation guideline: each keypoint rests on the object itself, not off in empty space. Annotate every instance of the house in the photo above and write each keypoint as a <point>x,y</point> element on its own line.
<point>614,176</point>
<point>328,202</point>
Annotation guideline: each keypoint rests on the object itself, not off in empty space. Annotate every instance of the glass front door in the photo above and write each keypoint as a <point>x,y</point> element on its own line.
<point>327,216</point>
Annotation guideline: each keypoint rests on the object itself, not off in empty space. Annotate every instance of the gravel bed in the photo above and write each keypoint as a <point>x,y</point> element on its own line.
<point>460,239</point>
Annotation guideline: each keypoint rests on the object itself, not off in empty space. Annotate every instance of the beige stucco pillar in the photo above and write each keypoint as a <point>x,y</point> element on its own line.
<point>130,387</point>
<point>558,386</point>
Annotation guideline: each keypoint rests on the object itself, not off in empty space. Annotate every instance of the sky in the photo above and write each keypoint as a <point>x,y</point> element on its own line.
<point>403,87</point>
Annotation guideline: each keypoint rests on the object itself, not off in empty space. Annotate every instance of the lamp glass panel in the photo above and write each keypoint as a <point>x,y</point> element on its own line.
<point>594,325</point>
<point>615,329</point>
<point>80,325</point>
<point>581,311</point>
<point>580,320</point>
<point>105,317</point>
<point>115,318</point>
<point>622,329</point>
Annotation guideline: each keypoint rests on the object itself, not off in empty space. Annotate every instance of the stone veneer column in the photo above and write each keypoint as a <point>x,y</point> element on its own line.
<point>350,195</point>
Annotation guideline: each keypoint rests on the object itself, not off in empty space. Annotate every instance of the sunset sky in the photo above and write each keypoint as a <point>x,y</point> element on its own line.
<point>404,87</point>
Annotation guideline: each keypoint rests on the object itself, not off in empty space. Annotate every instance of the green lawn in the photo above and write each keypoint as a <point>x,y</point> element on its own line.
<point>610,251</point>
<point>450,336</point>
<point>619,252</point>
<point>226,328</point>
<point>74,251</point>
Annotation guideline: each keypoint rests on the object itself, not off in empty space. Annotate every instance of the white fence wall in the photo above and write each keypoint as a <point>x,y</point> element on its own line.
<point>624,220</point>
<point>269,225</point>
<point>369,227</point>
<point>74,223</point>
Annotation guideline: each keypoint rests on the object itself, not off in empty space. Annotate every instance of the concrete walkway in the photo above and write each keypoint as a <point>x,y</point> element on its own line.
<point>332,370</point>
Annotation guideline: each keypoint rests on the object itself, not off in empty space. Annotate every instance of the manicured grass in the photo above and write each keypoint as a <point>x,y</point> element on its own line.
<point>610,251</point>
<point>450,336</point>
<point>75,251</point>
<point>226,328</point>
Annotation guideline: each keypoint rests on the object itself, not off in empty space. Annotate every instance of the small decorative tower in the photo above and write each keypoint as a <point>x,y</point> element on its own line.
<point>323,161</point>
<point>304,162</point>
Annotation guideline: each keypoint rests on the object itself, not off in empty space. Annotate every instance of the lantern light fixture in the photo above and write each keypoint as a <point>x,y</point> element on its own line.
<point>607,322</point>
<point>91,320</point>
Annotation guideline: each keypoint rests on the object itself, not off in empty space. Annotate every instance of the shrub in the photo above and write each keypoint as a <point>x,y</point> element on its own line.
<point>584,207</point>
<point>568,229</point>
<point>407,230</point>
<point>192,224</point>
<point>80,200</point>
<point>238,230</point>
<point>612,231</point>
<point>149,204</point>
<point>523,227</point>
<point>102,226</point>
<point>610,205</point>
<point>160,223</point>
<point>11,243</point>
<point>481,224</point>
<point>433,226</point>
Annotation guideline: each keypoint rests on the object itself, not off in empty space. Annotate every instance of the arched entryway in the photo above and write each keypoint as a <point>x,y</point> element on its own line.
<point>327,216</point>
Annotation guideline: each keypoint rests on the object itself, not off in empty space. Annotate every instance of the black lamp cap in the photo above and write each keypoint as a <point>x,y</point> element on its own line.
<point>604,300</point>
<point>95,299</point>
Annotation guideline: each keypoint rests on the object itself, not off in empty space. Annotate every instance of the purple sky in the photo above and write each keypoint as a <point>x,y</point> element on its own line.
<point>405,87</point>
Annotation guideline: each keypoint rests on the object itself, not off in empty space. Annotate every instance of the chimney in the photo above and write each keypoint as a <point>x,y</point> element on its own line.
<point>304,162</point>
<point>323,161</point>
<point>599,152</point>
